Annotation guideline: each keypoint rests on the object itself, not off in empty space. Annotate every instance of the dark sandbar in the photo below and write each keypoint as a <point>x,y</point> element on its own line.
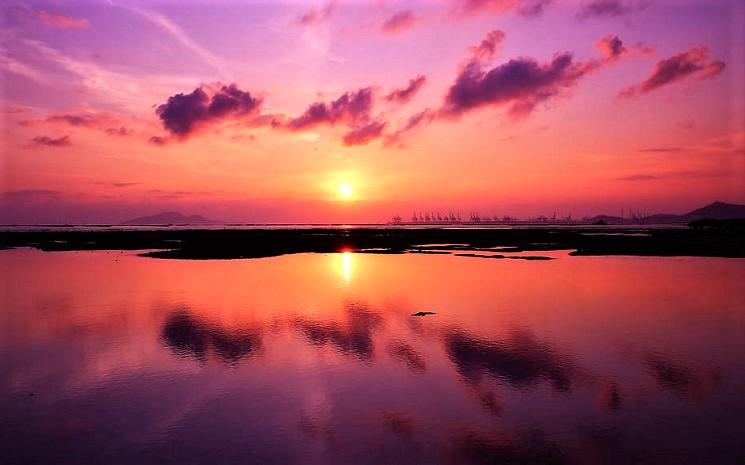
<point>256,243</point>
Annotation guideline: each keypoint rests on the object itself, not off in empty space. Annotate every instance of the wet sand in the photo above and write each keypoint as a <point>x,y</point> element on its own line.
<point>477,243</point>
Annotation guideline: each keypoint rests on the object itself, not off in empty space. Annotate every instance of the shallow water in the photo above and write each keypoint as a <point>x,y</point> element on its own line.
<point>107,357</point>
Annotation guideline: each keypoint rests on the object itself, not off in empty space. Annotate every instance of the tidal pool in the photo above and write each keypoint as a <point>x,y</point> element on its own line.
<point>111,358</point>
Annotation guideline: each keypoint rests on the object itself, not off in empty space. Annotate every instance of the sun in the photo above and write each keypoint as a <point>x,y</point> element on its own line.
<point>345,190</point>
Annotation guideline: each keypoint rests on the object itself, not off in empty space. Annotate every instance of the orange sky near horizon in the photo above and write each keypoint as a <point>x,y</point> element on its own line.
<point>258,112</point>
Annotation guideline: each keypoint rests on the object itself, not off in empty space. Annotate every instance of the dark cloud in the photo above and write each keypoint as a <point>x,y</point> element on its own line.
<point>488,48</point>
<point>354,337</point>
<point>63,141</point>
<point>694,62</point>
<point>30,194</point>
<point>90,120</point>
<point>187,336</point>
<point>120,131</point>
<point>674,175</point>
<point>315,16</point>
<point>352,108</point>
<point>84,120</point>
<point>521,84</point>
<point>119,184</point>
<point>404,95</point>
<point>182,114</point>
<point>158,140</point>
<point>533,7</point>
<point>399,22</point>
<point>523,7</point>
<point>661,149</point>
<point>364,134</point>
<point>610,8</point>
<point>611,47</point>
<point>638,177</point>
<point>520,360</point>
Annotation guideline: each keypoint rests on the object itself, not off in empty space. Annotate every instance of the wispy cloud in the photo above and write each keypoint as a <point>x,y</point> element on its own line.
<point>29,194</point>
<point>316,16</point>
<point>661,149</point>
<point>610,8</point>
<point>62,141</point>
<point>638,177</point>
<point>130,91</point>
<point>693,62</point>
<point>175,31</point>
<point>399,22</point>
<point>522,7</point>
<point>407,93</point>
<point>61,21</point>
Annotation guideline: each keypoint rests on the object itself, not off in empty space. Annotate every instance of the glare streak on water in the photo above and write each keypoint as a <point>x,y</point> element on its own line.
<point>316,358</point>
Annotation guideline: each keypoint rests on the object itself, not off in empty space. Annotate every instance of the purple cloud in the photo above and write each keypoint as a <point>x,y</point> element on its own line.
<point>404,95</point>
<point>352,108</point>
<point>182,114</point>
<point>523,7</point>
<point>521,83</point>
<point>315,16</point>
<point>51,141</point>
<point>399,22</point>
<point>488,48</point>
<point>610,8</point>
<point>611,47</point>
<point>364,134</point>
<point>694,62</point>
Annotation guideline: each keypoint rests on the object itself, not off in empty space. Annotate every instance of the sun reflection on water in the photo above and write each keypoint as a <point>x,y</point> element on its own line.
<point>346,268</point>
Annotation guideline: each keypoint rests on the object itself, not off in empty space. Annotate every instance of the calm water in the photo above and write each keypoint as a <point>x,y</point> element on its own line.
<point>106,357</point>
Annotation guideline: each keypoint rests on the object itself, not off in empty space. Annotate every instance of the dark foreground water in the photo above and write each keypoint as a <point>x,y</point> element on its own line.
<point>110,358</point>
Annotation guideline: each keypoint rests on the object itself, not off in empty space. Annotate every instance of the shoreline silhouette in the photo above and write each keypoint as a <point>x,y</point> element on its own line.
<point>720,241</point>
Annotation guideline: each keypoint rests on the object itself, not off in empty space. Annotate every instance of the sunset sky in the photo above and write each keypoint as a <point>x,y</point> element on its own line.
<point>352,111</point>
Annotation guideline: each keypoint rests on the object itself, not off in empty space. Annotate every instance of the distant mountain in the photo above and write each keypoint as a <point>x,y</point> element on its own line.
<point>168,218</point>
<point>717,211</point>
<point>713,211</point>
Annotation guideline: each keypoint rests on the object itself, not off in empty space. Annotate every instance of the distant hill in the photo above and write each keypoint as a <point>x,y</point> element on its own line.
<point>717,211</point>
<point>168,218</point>
<point>713,211</point>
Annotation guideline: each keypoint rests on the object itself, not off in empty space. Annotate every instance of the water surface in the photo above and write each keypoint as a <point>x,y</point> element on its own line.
<point>107,357</point>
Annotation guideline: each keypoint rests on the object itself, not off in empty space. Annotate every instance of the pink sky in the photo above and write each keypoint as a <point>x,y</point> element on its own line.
<point>260,111</point>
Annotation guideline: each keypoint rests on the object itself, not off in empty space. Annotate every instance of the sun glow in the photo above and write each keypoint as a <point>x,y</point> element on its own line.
<point>346,190</point>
